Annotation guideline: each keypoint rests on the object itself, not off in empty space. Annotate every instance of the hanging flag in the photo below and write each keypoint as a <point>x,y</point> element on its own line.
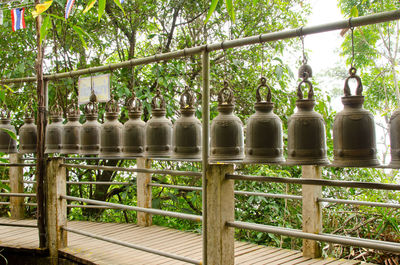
<point>17,18</point>
<point>40,8</point>
<point>68,8</point>
<point>1,16</point>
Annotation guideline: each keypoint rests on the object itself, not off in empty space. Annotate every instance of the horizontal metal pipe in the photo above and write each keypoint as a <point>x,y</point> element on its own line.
<point>100,183</point>
<point>26,204</point>
<point>18,225</point>
<point>89,206</point>
<point>18,194</point>
<point>176,186</point>
<point>366,203</point>
<point>268,37</point>
<point>17,165</point>
<point>343,240</point>
<point>4,203</point>
<point>25,181</point>
<point>130,245</point>
<point>318,182</point>
<point>137,170</point>
<point>269,195</point>
<point>191,217</point>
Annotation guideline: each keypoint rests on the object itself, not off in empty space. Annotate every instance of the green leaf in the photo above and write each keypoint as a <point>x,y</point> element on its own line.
<point>354,11</point>
<point>231,11</point>
<point>8,88</point>
<point>118,3</point>
<point>44,28</point>
<point>80,33</point>
<point>211,10</point>
<point>102,7</point>
<point>2,95</point>
<point>11,133</point>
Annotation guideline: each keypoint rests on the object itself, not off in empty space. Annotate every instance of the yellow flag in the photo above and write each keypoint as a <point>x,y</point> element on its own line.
<point>89,6</point>
<point>40,8</point>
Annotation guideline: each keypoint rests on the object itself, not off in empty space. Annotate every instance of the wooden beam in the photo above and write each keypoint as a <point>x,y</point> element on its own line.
<point>220,209</point>
<point>17,186</point>
<point>312,213</point>
<point>144,196</point>
<point>57,208</point>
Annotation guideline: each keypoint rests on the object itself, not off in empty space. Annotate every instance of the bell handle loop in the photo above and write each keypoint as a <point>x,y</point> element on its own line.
<point>359,89</point>
<point>310,90</point>
<point>263,84</point>
<point>187,100</point>
<point>221,97</point>
<point>134,104</point>
<point>154,101</point>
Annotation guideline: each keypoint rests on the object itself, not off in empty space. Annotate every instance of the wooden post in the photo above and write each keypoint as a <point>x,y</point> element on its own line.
<point>220,209</point>
<point>144,198</point>
<point>56,207</point>
<point>312,213</point>
<point>17,186</point>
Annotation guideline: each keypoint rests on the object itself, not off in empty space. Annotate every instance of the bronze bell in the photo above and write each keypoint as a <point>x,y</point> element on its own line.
<point>70,137</point>
<point>111,131</point>
<point>8,145</point>
<point>186,135</point>
<point>28,133</point>
<point>133,133</point>
<point>226,130</point>
<point>158,130</point>
<point>306,129</point>
<point>354,143</point>
<point>54,131</point>
<point>395,139</point>
<point>264,143</point>
<point>90,132</point>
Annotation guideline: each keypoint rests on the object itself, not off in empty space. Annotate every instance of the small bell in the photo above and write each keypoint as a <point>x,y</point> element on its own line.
<point>90,132</point>
<point>186,136</point>
<point>395,139</point>
<point>8,145</point>
<point>306,129</point>
<point>111,131</point>
<point>226,130</point>
<point>54,131</point>
<point>354,143</point>
<point>264,143</point>
<point>28,133</point>
<point>70,137</point>
<point>158,130</point>
<point>133,133</point>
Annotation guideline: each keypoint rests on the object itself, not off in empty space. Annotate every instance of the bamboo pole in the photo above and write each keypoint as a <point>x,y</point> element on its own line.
<point>41,126</point>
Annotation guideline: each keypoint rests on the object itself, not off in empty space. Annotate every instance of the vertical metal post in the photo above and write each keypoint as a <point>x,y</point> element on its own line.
<point>205,141</point>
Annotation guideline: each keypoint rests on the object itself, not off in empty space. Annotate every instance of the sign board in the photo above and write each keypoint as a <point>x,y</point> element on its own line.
<point>101,87</point>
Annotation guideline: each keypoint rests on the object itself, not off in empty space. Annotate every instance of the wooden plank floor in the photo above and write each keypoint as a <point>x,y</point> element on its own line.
<point>92,251</point>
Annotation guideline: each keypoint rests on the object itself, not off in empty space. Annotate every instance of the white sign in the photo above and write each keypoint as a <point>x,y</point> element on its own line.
<point>101,87</point>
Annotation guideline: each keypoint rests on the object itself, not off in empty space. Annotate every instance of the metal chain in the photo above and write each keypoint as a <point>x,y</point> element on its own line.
<point>262,60</point>
<point>352,47</point>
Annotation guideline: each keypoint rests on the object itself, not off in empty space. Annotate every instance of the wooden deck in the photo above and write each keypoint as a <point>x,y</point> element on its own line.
<point>92,251</point>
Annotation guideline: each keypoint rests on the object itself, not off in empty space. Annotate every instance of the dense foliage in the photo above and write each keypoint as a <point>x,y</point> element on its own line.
<point>146,27</point>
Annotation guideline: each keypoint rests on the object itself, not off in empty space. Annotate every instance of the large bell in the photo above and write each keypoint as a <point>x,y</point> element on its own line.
<point>8,145</point>
<point>306,129</point>
<point>70,137</point>
<point>264,142</point>
<point>133,133</point>
<point>54,131</point>
<point>90,132</point>
<point>111,131</point>
<point>226,130</point>
<point>28,134</point>
<point>395,139</point>
<point>158,130</point>
<point>354,143</point>
<point>186,135</point>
